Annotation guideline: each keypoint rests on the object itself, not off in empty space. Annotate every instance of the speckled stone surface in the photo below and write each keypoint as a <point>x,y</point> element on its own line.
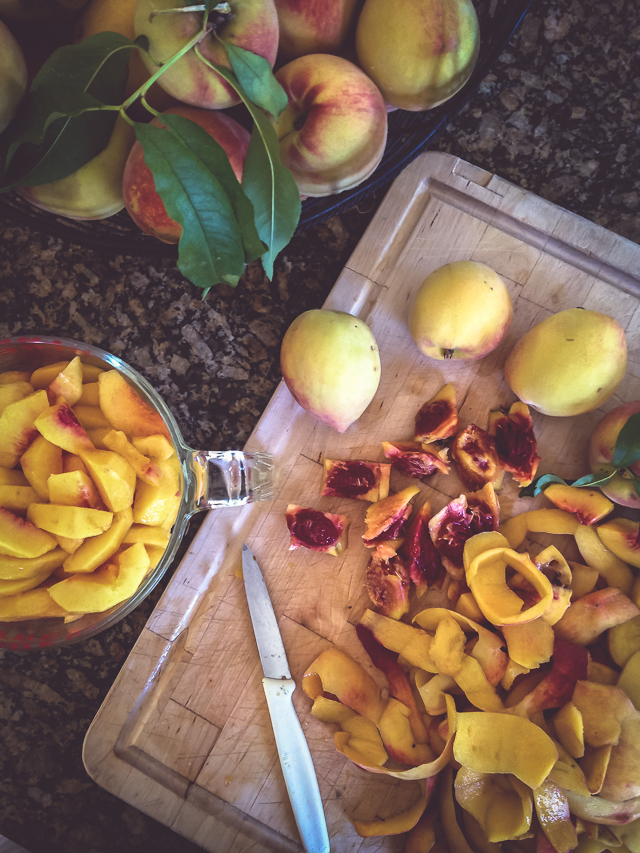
<point>559,114</point>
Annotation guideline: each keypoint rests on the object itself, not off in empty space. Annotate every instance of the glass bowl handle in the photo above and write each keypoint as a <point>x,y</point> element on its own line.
<point>229,478</point>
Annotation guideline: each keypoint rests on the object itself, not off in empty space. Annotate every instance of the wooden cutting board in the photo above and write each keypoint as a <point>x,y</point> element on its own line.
<point>184,734</point>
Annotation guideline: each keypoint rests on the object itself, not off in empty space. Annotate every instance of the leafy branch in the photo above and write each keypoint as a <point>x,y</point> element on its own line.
<point>68,116</point>
<point>626,453</point>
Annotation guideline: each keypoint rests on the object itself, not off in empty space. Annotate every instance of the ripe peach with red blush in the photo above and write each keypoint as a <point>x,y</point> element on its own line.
<point>334,129</point>
<point>602,445</point>
<point>141,199</point>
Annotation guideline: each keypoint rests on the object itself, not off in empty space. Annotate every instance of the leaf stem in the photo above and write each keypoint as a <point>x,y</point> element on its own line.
<point>206,28</point>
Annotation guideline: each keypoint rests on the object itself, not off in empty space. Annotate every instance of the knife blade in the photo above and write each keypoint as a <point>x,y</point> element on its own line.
<point>293,750</point>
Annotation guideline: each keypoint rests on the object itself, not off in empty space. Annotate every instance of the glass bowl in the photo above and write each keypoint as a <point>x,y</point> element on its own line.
<point>209,479</point>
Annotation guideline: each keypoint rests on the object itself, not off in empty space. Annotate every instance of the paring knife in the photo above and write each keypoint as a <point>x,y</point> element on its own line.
<point>293,751</point>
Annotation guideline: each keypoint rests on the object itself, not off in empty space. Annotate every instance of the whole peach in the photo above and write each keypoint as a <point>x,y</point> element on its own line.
<point>319,27</point>
<point>249,24</point>
<point>333,131</point>
<point>13,76</point>
<point>461,310</point>
<point>141,199</point>
<point>418,52</point>
<point>601,449</point>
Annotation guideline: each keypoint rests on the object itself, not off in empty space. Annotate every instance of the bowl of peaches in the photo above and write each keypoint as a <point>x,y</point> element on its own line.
<point>96,488</point>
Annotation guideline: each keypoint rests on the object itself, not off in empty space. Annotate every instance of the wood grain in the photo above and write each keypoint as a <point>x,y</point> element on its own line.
<point>184,734</point>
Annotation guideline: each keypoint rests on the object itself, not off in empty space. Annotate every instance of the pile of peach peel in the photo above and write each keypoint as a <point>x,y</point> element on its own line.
<point>512,677</point>
<point>90,486</point>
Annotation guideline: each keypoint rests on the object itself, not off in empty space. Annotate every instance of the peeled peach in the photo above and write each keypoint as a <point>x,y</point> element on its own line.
<point>569,363</point>
<point>419,52</point>
<point>461,310</point>
<point>331,365</point>
<point>601,449</point>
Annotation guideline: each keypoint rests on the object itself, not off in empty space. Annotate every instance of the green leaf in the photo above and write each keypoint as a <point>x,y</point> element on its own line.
<point>62,123</point>
<point>195,181</point>
<point>593,480</point>
<point>272,189</point>
<point>636,485</point>
<point>627,450</point>
<point>256,79</point>
<point>269,184</point>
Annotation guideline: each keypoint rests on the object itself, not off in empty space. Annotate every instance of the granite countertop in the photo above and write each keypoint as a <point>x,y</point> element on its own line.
<point>558,114</point>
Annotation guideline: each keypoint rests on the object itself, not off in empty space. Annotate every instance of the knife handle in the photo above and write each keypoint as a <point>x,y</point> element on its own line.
<point>297,765</point>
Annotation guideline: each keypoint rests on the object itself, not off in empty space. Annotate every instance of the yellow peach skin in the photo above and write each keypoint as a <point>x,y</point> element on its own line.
<point>461,310</point>
<point>418,52</point>
<point>568,364</point>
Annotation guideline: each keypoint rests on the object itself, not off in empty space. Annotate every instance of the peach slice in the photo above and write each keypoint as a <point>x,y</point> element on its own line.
<point>17,498</point>
<point>622,537</point>
<point>624,640</point>
<point>125,409</point>
<point>8,377</point>
<point>90,395</point>
<point>154,504</point>
<point>39,461</point>
<point>67,386</point>
<point>74,488</point>
<point>155,552</point>
<point>98,549</point>
<point>42,377</point>
<point>437,419</point>
<point>146,534</point>
<point>156,447</point>
<point>17,427</point>
<point>588,505</point>
<point>33,604</point>
<point>13,568</point>
<point>107,586</point>
<point>97,435</point>
<point>588,617</point>
<point>115,479</point>
<point>145,469</point>
<point>595,554</point>
<point>72,462</point>
<point>20,538</point>
<point>70,546</point>
<point>74,522</point>
<point>59,425</point>
<point>629,679</point>
<point>90,417</point>
<point>569,729</point>
<point>489,742</point>
<point>12,477</point>
<point>20,585</point>
<point>12,392</point>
